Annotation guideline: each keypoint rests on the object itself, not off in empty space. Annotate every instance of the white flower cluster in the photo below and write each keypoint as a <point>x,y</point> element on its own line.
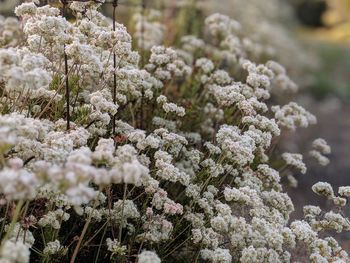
<point>148,257</point>
<point>17,183</point>
<point>128,168</point>
<point>295,160</point>
<point>292,115</point>
<point>148,31</point>
<point>52,248</point>
<point>25,72</point>
<point>170,107</point>
<point>316,221</point>
<point>265,34</point>
<point>115,247</point>
<point>165,64</point>
<point>15,252</point>
<point>320,148</point>
<point>10,33</point>
<point>136,171</point>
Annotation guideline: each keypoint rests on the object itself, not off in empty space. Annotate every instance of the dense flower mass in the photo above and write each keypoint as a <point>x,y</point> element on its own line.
<point>170,160</point>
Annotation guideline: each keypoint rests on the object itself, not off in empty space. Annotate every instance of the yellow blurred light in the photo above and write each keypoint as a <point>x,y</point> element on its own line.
<point>337,20</point>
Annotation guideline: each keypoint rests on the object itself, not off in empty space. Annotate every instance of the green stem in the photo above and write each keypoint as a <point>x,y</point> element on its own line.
<point>96,233</point>
<point>177,247</point>
<point>121,220</point>
<point>12,224</point>
<point>99,247</point>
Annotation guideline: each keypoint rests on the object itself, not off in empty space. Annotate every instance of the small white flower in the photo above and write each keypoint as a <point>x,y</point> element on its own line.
<point>52,248</point>
<point>324,189</point>
<point>344,191</point>
<point>15,252</point>
<point>148,257</point>
<point>115,247</point>
<point>295,160</point>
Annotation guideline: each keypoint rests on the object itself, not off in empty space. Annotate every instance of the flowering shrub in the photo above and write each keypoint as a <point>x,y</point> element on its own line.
<point>173,161</point>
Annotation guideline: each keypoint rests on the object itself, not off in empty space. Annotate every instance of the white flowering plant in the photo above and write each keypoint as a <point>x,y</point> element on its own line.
<point>107,160</point>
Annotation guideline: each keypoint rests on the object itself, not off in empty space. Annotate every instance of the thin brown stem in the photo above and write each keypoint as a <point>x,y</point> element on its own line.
<point>64,2</point>
<point>122,215</point>
<point>115,4</point>
<point>87,223</point>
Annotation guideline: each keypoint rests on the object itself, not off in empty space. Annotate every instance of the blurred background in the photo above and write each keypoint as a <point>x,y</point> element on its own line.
<point>311,38</point>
